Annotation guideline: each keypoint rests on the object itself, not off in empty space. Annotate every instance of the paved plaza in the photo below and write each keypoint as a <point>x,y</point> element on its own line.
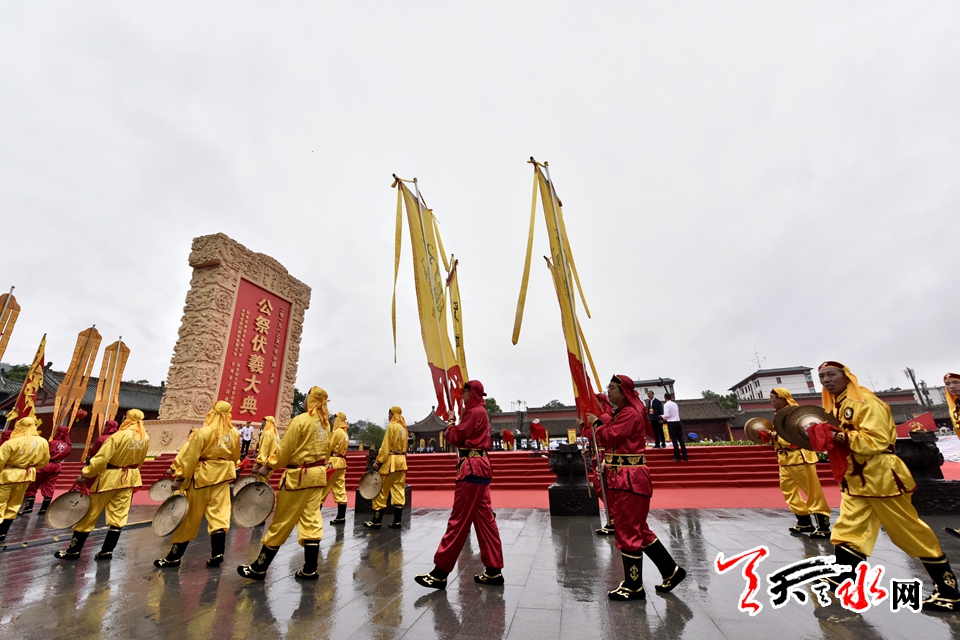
<point>557,573</point>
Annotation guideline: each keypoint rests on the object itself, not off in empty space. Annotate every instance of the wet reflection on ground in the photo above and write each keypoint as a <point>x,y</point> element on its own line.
<point>557,575</point>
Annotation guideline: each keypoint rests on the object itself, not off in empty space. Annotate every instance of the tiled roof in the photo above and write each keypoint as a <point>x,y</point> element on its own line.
<point>431,422</point>
<point>703,409</point>
<point>145,397</point>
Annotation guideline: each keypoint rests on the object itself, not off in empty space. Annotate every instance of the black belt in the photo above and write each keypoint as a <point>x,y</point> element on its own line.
<point>472,453</point>
<point>625,460</point>
<point>398,453</point>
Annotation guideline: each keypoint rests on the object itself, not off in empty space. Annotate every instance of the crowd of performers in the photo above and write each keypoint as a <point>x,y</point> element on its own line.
<point>875,484</point>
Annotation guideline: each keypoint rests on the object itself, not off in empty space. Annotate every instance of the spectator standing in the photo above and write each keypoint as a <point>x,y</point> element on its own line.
<point>671,415</point>
<point>655,411</point>
<point>246,436</point>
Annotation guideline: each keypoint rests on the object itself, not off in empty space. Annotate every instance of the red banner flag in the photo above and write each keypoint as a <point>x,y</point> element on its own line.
<point>923,422</point>
<point>27,400</point>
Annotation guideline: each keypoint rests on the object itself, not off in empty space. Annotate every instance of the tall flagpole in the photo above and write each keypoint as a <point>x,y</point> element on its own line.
<point>576,326</point>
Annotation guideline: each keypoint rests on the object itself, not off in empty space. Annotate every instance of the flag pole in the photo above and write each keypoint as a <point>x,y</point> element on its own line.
<point>576,326</point>
<point>433,295</point>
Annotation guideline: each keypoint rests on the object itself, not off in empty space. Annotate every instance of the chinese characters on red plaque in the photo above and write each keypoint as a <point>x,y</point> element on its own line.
<point>258,337</point>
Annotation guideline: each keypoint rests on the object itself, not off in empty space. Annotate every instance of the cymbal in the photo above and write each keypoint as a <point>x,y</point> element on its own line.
<point>241,483</point>
<point>252,504</point>
<point>161,489</point>
<point>754,426</point>
<point>798,419</point>
<point>170,514</point>
<point>370,485</point>
<point>67,510</point>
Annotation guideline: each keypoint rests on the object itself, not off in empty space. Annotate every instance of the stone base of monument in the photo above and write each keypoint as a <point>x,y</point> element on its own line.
<point>937,497</point>
<point>364,507</point>
<point>570,495</point>
<point>167,436</point>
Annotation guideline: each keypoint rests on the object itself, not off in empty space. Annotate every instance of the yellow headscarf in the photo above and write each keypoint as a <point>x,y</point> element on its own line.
<point>134,421</point>
<point>317,405</point>
<point>396,415</point>
<point>784,394</point>
<point>25,427</point>
<point>219,418</point>
<point>269,425</point>
<point>854,391</point>
<point>951,399</point>
<point>340,422</point>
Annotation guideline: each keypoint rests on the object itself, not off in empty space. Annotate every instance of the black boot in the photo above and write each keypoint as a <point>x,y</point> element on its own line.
<point>607,529</point>
<point>218,542</point>
<point>311,556</point>
<point>173,557</point>
<point>341,513</point>
<point>397,517</point>
<point>804,525</point>
<point>4,527</point>
<point>258,570</point>
<point>945,597</point>
<point>436,579</point>
<point>822,531</point>
<point>44,505</point>
<point>955,532</point>
<point>845,556</point>
<point>76,544</point>
<point>632,586</point>
<point>672,573</point>
<point>27,505</point>
<point>490,575</point>
<point>375,523</point>
<point>109,544</point>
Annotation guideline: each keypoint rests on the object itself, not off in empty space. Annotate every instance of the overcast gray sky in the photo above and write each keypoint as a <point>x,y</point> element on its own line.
<point>734,175</point>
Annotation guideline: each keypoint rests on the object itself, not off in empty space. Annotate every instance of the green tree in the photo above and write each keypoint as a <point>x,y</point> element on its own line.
<point>554,404</point>
<point>728,401</point>
<point>17,373</point>
<point>371,435</point>
<point>492,406</point>
<point>299,398</point>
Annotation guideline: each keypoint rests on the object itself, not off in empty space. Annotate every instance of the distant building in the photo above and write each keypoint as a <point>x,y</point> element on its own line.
<point>757,386</point>
<point>659,386</point>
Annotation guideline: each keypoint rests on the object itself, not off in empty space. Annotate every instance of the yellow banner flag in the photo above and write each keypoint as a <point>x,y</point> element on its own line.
<point>107,400</point>
<point>26,405</point>
<point>445,366</point>
<point>74,385</point>
<point>9,310</point>
<point>564,274</point>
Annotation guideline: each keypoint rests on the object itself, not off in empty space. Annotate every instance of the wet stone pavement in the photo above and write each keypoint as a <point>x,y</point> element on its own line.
<point>557,573</point>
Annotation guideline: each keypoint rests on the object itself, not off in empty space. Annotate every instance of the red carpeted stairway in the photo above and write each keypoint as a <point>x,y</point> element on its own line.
<point>742,466</point>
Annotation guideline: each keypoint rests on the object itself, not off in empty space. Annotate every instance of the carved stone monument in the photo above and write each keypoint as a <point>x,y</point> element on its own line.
<point>239,341</point>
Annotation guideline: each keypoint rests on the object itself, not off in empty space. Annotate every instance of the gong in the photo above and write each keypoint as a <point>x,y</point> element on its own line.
<point>370,485</point>
<point>252,504</point>
<point>161,489</point>
<point>170,514</point>
<point>241,483</point>
<point>67,510</point>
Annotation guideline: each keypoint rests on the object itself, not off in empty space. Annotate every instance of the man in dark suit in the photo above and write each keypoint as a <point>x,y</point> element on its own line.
<point>654,411</point>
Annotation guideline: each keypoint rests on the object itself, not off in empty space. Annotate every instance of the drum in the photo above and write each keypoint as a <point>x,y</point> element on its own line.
<point>252,504</point>
<point>67,510</point>
<point>796,422</point>
<point>370,485</point>
<point>241,483</point>
<point>754,426</point>
<point>170,514</point>
<point>161,489</point>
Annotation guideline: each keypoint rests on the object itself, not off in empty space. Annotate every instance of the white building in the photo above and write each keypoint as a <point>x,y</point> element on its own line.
<point>758,385</point>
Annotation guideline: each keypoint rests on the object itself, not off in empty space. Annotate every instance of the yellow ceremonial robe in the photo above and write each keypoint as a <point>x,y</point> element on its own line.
<point>393,467</point>
<point>208,465</point>
<point>798,472</point>
<point>19,459</point>
<point>116,468</point>
<point>337,467</point>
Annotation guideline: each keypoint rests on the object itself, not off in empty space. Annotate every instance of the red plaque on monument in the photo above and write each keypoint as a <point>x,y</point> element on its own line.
<point>254,363</point>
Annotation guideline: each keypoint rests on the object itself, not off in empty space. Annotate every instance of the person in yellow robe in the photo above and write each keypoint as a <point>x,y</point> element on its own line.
<point>116,472</point>
<point>392,465</point>
<point>302,453</point>
<point>206,466</point>
<point>951,382</point>
<point>267,444</point>
<point>337,468</point>
<point>876,489</point>
<point>798,473</point>
<point>20,456</point>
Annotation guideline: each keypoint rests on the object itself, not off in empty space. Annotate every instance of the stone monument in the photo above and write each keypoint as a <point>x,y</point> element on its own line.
<point>239,341</point>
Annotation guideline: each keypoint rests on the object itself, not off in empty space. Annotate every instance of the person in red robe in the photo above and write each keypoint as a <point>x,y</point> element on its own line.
<point>471,499</point>
<point>606,410</point>
<point>508,439</point>
<point>623,436</point>
<point>109,428</point>
<point>46,482</point>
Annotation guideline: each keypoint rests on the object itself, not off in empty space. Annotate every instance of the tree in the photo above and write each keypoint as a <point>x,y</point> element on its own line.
<point>554,404</point>
<point>17,373</point>
<point>492,406</point>
<point>371,435</point>
<point>299,400</point>
<point>729,401</point>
